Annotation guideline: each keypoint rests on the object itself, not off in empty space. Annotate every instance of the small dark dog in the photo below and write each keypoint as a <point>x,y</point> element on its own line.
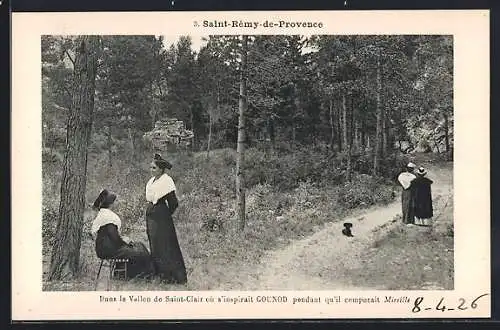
<point>347,229</point>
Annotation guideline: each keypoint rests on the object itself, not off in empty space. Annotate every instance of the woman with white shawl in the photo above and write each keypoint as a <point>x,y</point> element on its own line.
<point>162,203</point>
<point>406,179</point>
<point>110,244</point>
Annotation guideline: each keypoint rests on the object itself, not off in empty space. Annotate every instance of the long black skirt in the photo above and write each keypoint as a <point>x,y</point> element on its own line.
<point>408,206</point>
<point>139,264</point>
<point>165,250</point>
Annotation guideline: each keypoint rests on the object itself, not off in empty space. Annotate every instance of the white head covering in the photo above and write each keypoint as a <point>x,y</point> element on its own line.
<point>411,165</point>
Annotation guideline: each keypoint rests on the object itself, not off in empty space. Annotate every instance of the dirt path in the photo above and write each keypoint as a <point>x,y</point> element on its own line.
<point>301,265</point>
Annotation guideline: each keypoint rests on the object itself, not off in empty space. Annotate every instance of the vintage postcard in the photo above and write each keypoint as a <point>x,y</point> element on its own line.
<point>263,165</point>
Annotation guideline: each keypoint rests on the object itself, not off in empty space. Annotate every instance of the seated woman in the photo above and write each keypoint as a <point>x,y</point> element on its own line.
<point>108,242</point>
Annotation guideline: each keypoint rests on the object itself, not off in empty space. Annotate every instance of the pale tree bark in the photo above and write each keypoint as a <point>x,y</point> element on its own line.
<point>446,132</point>
<point>110,147</point>
<point>210,121</point>
<point>378,135</point>
<point>131,140</point>
<point>209,131</point>
<point>66,250</point>
<point>240,151</point>
<point>332,126</point>
<point>384,134</point>
<point>339,129</point>
<point>347,139</point>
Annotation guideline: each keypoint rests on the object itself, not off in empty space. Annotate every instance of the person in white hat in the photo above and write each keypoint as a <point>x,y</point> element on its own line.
<point>423,198</point>
<point>406,179</point>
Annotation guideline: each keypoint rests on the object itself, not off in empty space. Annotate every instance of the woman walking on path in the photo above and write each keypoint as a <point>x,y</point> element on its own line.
<point>423,198</point>
<point>406,179</point>
<point>162,203</point>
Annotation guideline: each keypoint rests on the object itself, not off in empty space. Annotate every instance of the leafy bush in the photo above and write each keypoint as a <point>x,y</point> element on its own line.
<point>49,224</point>
<point>285,171</point>
<point>363,191</point>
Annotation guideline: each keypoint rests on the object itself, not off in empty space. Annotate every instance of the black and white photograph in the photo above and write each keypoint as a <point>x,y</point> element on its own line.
<point>247,162</point>
<point>250,165</point>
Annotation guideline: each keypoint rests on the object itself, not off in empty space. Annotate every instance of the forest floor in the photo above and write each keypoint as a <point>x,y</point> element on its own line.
<point>383,254</point>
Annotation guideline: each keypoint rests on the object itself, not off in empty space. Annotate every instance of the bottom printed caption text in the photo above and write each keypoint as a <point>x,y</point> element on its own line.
<point>415,304</point>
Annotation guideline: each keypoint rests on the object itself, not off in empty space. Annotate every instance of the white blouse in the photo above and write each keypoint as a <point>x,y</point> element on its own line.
<point>159,188</point>
<point>104,217</point>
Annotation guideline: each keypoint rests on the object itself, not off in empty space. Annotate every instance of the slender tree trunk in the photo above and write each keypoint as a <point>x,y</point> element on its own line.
<point>378,135</point>
<point>153,121</point>
<point>110,147</point>
<point>339,129</point>
<point>363,133</point>
<point>345,133</point>
<point>210,121</point>
<point>332,128</point>
<point>353,135</point>
<point>209,131</point>
<point>240,151</point>
<point>66,250</point>
<point>446,132</point>
<point>385,138</point>
<point>347,138</point>
<point>131,140</point>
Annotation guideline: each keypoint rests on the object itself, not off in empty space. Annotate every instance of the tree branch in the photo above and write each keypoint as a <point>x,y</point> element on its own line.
<point>69,56</point>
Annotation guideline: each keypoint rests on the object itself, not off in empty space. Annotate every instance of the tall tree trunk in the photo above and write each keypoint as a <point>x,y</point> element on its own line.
<point>240,151</point>
<point>446,132</point>
<point>66,250</point>
<point>385,138</point>
<point>363,133</point>
<point>339,129</point>
<point>110,147</point>
<point>210,121</point>
<point>345,133</point>
<point>357,135</point>
<point>353,135</point>
<point>378,135</point>
<point>131,140</point>
<point>209,131</point>
<point>347,138</point>
<point>332,128</point>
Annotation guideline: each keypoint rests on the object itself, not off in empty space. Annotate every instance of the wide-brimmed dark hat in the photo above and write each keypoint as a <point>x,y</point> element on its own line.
<point>104,200</point>
<point>421,171</point>
<point>162,163</point>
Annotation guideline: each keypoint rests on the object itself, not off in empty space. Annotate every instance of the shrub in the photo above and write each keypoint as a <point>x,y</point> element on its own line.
<point>363,191</point>
<point>49,224</point>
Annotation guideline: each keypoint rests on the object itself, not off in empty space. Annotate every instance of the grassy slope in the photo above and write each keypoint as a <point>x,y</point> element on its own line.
<point>275,217</point>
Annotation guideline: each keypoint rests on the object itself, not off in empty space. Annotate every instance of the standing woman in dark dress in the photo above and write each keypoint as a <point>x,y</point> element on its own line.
<point>162,203</point>
<point>423,198</point>
<point>110,244</point>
